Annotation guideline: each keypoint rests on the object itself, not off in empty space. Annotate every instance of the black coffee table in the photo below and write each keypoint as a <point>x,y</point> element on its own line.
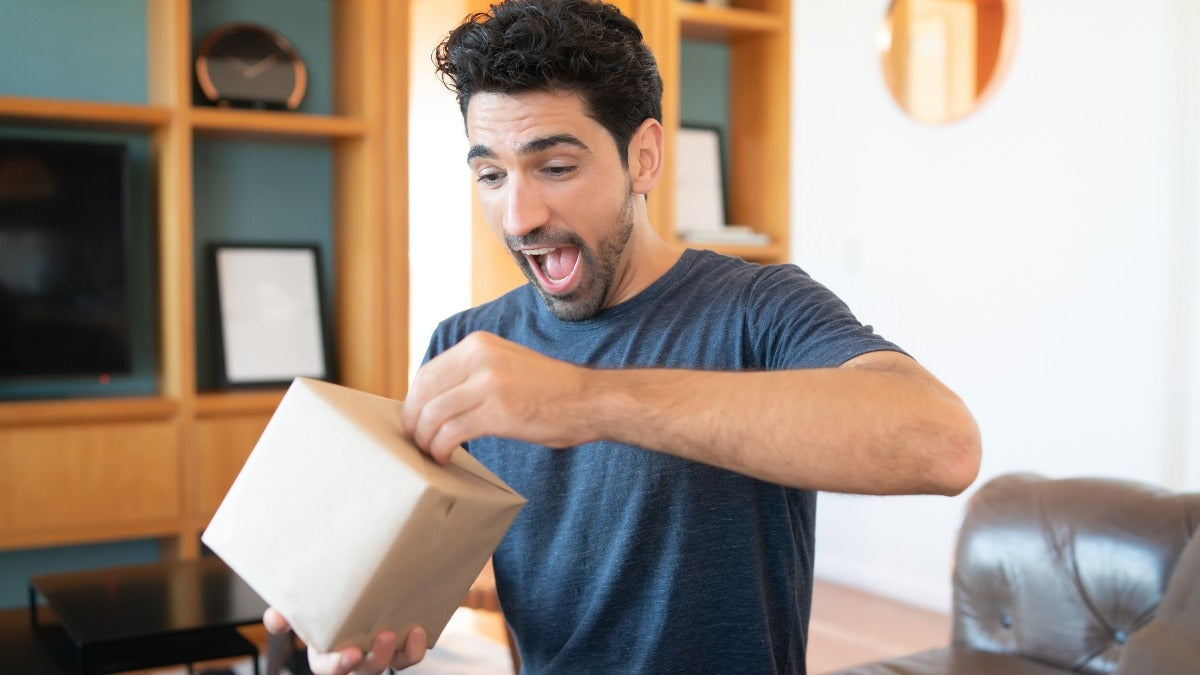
<point>147,616</point>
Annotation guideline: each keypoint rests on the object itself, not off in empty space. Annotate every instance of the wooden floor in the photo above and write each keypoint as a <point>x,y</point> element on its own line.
<point>849,627</point>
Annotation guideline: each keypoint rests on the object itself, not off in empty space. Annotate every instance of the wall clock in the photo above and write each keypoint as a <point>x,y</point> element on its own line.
<point>249,65</point>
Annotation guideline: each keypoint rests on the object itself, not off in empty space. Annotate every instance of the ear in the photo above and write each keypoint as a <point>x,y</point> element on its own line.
<point>646,156</point>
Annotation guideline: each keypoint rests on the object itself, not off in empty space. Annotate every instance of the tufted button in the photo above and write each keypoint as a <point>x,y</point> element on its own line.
<point>1006,620</point>
<point>1120,636</point>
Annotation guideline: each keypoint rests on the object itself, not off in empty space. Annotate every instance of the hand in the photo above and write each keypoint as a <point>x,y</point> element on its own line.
<point>351,660</point>
<point>488,386</point>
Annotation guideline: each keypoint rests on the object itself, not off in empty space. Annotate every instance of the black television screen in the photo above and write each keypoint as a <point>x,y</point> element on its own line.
<point>64,232</point>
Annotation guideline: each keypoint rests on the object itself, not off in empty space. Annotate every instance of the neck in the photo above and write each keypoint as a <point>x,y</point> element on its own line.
<point>647,257</point>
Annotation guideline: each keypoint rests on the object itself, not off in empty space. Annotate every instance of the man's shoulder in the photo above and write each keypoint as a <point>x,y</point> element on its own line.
<point>718,271</point>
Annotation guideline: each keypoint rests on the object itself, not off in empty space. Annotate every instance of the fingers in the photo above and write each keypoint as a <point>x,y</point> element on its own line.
<point>488,386</point>
<point>274,622</point>
<point>440,374</point>
<point>321,663</point>
<point>435,414</point>
<point>479,351</point>
<point>380,656</point>
<point>440,434</point>
<point>334,663</point>
<point>384,652</point>
<point>438,415</point>
<point>414,649</point>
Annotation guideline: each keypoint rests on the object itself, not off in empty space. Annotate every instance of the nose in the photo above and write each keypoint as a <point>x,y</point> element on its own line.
<point>525,209</point>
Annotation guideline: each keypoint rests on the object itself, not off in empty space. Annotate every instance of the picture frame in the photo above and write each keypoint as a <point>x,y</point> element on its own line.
<point>700,180</point>
<point>270,321</point>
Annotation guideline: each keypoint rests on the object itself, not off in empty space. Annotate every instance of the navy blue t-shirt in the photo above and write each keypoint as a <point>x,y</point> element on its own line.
<point>629,560</point>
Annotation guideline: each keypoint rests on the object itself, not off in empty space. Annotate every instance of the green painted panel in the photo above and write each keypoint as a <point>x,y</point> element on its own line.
<point>91,50</point>
<point>704,87</point>
<point>16,567</point>
<point>262,193</point>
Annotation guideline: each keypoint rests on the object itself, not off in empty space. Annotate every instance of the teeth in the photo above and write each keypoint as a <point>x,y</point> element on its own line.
<point>537,251</point>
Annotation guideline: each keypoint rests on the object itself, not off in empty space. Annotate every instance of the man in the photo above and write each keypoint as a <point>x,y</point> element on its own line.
<point>669,414</point>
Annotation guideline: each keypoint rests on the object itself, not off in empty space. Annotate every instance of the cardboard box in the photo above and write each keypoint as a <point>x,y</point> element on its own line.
<point>338,521</point>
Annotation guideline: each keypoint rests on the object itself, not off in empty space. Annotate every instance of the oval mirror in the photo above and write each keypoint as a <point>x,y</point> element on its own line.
<point>941,58</point>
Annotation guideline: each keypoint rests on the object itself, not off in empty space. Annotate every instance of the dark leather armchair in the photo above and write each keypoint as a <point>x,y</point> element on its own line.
<point>1055,576</point>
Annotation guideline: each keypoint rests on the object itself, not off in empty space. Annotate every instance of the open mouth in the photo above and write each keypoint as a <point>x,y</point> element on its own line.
<point>556,267</point>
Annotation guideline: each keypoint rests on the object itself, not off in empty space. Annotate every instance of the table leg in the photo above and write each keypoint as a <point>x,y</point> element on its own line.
<point>33,622</point>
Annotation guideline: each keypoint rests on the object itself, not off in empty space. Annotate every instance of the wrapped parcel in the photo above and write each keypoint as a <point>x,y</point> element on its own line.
<point>338,521</point>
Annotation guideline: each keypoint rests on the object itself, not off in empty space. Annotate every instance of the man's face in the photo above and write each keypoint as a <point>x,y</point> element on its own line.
<point>554,190</point>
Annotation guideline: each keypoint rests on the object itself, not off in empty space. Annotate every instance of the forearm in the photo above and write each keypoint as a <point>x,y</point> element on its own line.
<point>858,429</point>
<point>879,424</point>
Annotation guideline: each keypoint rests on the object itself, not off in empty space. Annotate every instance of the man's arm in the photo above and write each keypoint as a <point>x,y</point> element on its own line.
<point>880,424</point>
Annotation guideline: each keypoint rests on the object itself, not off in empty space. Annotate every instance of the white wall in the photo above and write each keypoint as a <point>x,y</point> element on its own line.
<point>1187,33</point>
<point>1039,256</point>
<point>439,191</point>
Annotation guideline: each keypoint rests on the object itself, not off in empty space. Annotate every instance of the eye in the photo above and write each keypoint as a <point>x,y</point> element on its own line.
<point>490,177</point>
<point>558,171</point>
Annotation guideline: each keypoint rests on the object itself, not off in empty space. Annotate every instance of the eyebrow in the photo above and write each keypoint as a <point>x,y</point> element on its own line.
<point>531,148</point>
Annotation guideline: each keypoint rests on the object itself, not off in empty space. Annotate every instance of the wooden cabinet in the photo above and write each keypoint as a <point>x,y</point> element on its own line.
<point>755,38</point>
<point>75,470</point>
<point>222,443</point>
<point>88,482</point>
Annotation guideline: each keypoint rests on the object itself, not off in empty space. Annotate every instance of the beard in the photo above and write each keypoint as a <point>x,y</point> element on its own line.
<point>598,266</point>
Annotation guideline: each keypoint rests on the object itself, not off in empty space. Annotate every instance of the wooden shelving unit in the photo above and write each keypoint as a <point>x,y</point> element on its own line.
<point>88,410</point>
<point>235,403</point>
<point>73,114</point>
<point>257,123</point>
<point>722,24</point>
<point>757,35</point>
<point>103,469</point>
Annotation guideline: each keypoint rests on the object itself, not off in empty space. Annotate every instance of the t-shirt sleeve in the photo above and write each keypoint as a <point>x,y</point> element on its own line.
<point>798,323</point>
<point>446,335</point>
<point>436,343</point>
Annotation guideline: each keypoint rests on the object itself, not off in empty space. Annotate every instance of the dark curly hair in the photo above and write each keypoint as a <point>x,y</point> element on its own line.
<point>584,46</point>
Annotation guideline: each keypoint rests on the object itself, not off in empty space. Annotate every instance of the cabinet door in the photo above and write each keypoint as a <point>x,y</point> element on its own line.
<point>222,446</point>
<point>119,476</point>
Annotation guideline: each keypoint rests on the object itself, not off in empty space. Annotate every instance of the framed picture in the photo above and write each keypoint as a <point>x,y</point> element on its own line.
<point>699,180</point>
<point>270,320</point>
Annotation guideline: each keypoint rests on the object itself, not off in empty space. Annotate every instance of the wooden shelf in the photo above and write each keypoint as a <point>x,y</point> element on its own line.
<point>29,413</point>
<point>68,113</point>
<point>763,254</point>
<point>225,404</point>
<point>723,24</point>
<point>76,535</point>
<point>218,122</point>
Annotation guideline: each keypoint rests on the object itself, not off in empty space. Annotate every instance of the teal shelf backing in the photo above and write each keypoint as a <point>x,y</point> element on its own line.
<point>704,87</point>
<point>262,193</point>
<point>74,49</point>
<point>16,567</point>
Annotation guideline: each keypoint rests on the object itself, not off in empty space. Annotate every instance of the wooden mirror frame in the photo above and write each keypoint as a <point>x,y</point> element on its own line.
<point>946,88</point>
